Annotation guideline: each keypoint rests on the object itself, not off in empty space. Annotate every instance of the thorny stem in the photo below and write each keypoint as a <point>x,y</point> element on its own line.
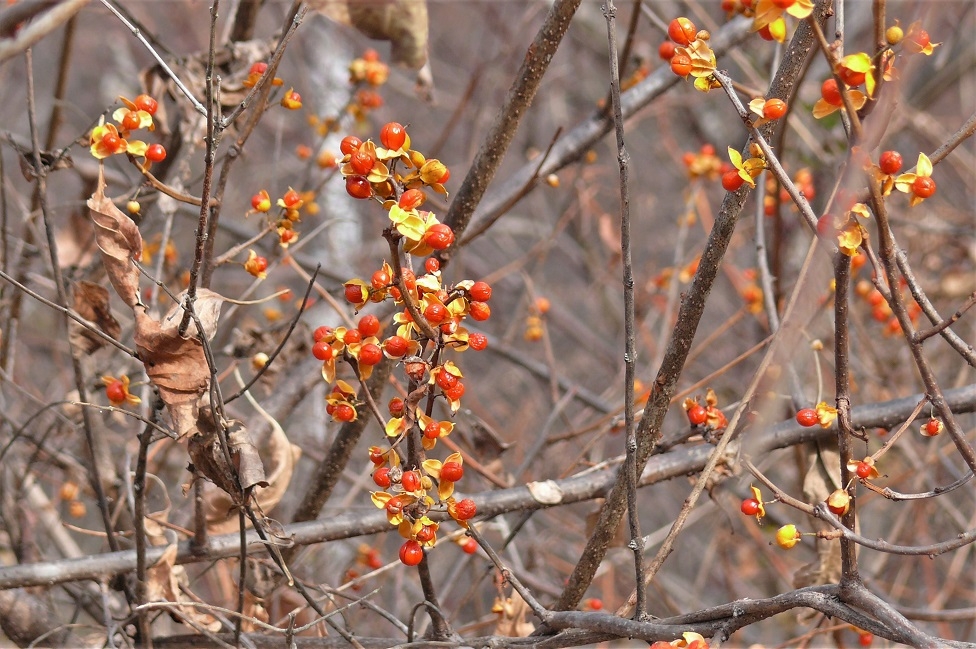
<point>636,544</point>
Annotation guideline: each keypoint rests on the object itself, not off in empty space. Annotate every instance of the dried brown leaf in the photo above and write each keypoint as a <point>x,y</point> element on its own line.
<point>91,302</point>
<point>176,365</point>
<point>402,22</point>
<point>281,456</point>
<point>206,307</point>
<point>118,237</point>
<point>164,580</point>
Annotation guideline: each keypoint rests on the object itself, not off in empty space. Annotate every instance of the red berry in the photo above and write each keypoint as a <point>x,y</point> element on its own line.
<point>439,236</point>
<point>784,4</point>
<point>666,50</point>
<point>831,93</point>
<point>115,391</point>
<point>432,430</point>
<point>923,187</point>
<point>344,412</point>
<point>380,279</point>
<point>358,187</point>
<point>682,31</point>
<point>411,553</point>
<point>354,294</point>
<point>352,336</point>
<point>369,325</point>
<point>395,346</point>
<point>432,265</point>
<point>863,470</point>
<point>774,109</point>
<point>370,354</point>
<point>697,414</point>
<point>731,180</point>
<point>322,350</point>
<point>291,198</point>
<point>865,639</point>
<point>320,333</point>
<point>361,162</point>
<point>890,162</point>
<point>411,199</point>
<point>479,311</point>
<point>111,141</point>
<point>480,291</point>
<point>376,455</point>
<point>131,120</point>
<point>681,64</point>
<point>456,392</point>
<point>382,477</point>
<point>850,77</point>
<point>435,313</point>
<point>932,427</point>
<point>146,103</point>
<point>807,417</point>
<point>410,481</point>
<point>920,39</point>
<point>395,406</point>
<point>350,144</point>
<point>393,135</point>
<point>750,507</point>
<point>446,380</point>
<point>452,472</point>
<point>425,534</point>
<point>477,341</point>
<point>465,509</point>
<point>259,68</point>
<point>470,546</point>
<point>156,153</point>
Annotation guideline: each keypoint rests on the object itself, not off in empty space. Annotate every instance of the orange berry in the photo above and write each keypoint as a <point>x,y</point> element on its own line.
<point>923,187</point>
<point>681,65</point>
<point>682,31</point>
<point>666,50</point>
<point>831,93</point>
<point>774,109</point>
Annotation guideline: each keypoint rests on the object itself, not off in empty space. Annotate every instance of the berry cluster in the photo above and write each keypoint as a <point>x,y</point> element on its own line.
<point>108,139</point>
<point>428,326</point>
<point>709,416</point>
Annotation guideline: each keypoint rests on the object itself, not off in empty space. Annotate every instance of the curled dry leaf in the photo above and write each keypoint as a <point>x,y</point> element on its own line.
<point>164,580</point>
<point>91,302</point>
<point>402,22</point>
<point>118,237</point>
<point>281,456</point>
<point>206,307</point>
<point>177,367</point>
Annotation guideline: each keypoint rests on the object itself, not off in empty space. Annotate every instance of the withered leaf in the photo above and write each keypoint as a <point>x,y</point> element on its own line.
<point>118,237</point>
<point>402,22</point>
<point>280,457</point>
<point>206,307</point>
<point>512,612</point>
<point>164,581</point>
<point>91,302</point>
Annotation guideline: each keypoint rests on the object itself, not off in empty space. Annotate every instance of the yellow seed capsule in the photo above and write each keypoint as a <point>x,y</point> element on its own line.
<point>787,536</point>
<point>552,180</point>
<point>133,207</point>
<point>259,360</point>
<point>894,34</point>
